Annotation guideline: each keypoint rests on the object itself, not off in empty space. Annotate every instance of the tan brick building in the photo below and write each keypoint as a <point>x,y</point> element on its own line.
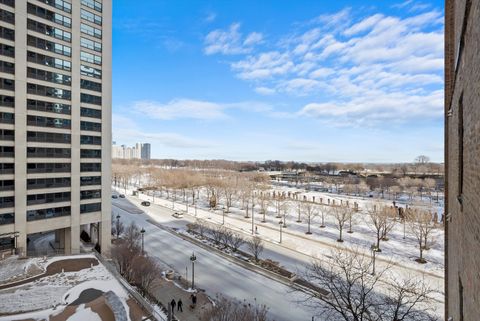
<point>462,159</point>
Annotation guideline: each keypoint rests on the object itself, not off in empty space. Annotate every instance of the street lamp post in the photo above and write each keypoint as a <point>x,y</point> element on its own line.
<point>373,247</point>
<point>142,231</point>
<point>193,258</point>
<point>223,216</point>
<point>281,225</point>
<point>118,225</point>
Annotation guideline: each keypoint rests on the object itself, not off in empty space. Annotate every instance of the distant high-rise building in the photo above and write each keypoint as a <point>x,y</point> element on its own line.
<point>139,151</point>
<point>145,151</point>
<point>55,133</point>
<point>462,160</point>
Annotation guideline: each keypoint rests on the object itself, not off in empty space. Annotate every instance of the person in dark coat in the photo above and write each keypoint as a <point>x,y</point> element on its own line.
<point>180,305</point>
<point>194,299</point>
<point>173,304</point>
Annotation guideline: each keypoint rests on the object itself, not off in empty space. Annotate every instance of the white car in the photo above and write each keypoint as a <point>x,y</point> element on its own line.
<point>177,214</point>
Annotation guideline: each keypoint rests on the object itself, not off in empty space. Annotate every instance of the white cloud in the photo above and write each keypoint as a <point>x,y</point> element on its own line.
<point>183,108</point>
<point>231,41</point>
<point>125,130</point>
<point>355,68</point>
<point>264,91</point>
<point>253,38</point>
<point>210,17</point>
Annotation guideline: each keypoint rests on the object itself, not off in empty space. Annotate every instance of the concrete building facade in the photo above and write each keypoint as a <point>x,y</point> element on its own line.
<point>462,159</point>
<point>55,129</point>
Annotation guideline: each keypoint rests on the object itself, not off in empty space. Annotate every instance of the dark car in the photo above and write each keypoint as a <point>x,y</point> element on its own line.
<point>114,196</point>
<point>121,195</point>
<point>145,203</point>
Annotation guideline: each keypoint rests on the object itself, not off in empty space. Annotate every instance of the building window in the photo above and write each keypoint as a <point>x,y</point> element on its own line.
<point>90,153</point>
<point>7,84</point>
<point>90,140</point>
<point>49,30</point>
<point>49,15</point>
<point>7,185</point>
<point>91,58</point>
<point>6,50</point>
<point>7,16</point>
<point>89,16</point>
<point>7,118</point>
<point>8,218</point>
<point>7,67</point>
<point>90,180</point>
<point>49,61</point>
<point>96,5</point>
<point>90,44</point>
<point>89,208</point>
<point>90,85</point>
<point>37,183</point>
<point>59,4</point>
<point>91,72</point>
<point>7,101</point>
<point>7,33</point>
<point>49,46</point>
<point>88,195</point>
<point>49,76</point>
<point>42,214</point>
<point>41,121</point>
<point>7,151</point>
<point>7,168</point>
<point>45,106</point>
<point>43,137</point>
<point>7,134</point>
<point>48,91</point>
<point>90,167</point>
<point>90,99</point>
<point>10,3</point>
<point>48,198</point>
<point>90,112</point>
<point>8,201</point>
<point>91,31</point>
<point>37,168</point>
<point>43,152</point>
<point>86,125</point>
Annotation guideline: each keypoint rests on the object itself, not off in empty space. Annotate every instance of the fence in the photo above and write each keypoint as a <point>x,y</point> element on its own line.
<point>135,295</point>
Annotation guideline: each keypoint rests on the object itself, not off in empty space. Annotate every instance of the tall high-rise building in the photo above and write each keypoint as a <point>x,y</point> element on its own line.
<point>462,159</point>
<point>55,128</point>
<point>145,151</point>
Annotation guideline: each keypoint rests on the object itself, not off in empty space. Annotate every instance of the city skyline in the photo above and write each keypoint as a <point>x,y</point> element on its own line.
<point>297,82</point>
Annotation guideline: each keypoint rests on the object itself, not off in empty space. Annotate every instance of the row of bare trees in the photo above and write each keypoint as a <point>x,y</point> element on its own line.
<point>139,270</point>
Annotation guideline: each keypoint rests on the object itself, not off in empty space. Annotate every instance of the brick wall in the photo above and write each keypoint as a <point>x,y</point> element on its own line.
<point>463,229</point>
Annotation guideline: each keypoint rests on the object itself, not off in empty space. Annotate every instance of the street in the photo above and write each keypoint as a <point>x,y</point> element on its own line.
<point>212,273</point>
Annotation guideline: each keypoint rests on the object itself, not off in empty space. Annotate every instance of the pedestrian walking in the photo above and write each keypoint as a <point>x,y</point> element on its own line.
<point>180,305</point>
<point>194,299</point>
<point>173,304</point>
<point>256,229</point>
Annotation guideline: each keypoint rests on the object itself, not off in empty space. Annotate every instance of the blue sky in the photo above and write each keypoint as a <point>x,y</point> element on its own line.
<point>318,81</point>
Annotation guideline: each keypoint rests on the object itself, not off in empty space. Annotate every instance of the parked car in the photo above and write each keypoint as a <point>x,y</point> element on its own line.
<point>177,214</point>
<point>145,203</point>
<point>114,196</point>
<point>121,195</point>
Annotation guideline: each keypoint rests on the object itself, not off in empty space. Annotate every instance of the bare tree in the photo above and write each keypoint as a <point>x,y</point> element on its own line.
<point>217,234</point>
<point>309,211</point>
<point>117,227</point>
<point>341,214</point>
<point>145,271</point>
<point>383,219</point>
<point>255,245</point>
<point>236,241</point>
<point>227,236</point>
<point>348,291</point>
<point>232,310</point>
<point>132,236</point>
<point>421,225</point>
<point>123,255</point>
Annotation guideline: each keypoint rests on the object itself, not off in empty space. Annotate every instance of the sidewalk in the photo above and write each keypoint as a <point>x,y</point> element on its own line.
<point>165,291</point>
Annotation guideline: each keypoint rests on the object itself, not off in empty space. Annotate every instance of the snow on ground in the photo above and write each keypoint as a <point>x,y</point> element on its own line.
<point>12,267</point>
<point>58,290</point>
